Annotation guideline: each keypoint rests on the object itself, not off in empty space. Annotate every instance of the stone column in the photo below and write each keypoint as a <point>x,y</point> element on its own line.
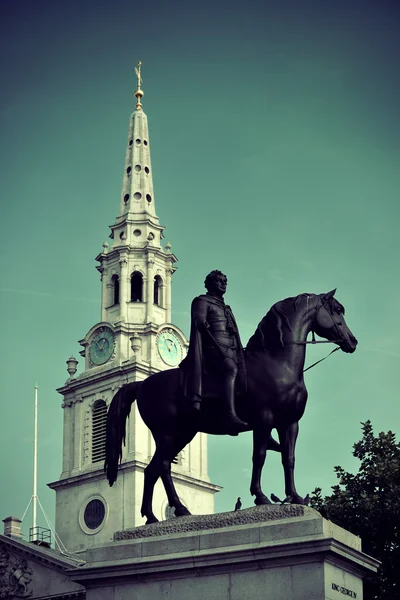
<point>203,455</point>
<point>149,291</point>
<point>104,294</point>
<point>123,288</point>
<point>78,434</point>
<point>168,275</point>
<point>68,438</point>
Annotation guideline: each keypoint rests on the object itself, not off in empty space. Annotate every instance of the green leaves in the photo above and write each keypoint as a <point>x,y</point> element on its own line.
<point>368,504</point>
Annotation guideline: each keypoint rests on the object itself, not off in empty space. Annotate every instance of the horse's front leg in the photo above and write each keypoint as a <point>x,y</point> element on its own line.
<point>260,441</point>
<point>287,437</point>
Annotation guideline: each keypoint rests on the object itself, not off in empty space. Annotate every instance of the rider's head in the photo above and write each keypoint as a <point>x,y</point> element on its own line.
<point>216,282</point>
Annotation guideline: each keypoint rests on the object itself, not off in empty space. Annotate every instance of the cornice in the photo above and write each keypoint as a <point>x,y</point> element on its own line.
<point>252,556</point>
<point>116,252</point>
<point>39,553</point>
<point>128,466</point>
<point>95,375</point>
<point>142,221</point>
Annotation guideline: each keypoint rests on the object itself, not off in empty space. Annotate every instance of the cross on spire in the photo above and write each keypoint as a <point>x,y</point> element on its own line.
<point>139,92</point>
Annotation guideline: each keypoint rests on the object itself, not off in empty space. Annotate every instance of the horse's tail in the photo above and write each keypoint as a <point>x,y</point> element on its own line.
<point>117,415</point>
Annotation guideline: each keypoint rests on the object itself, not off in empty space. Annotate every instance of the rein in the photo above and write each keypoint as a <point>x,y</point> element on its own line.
<point>314,341</point>
<point>321,359</point>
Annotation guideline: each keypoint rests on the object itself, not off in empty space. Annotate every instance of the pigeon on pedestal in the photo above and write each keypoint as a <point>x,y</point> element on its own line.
<point>238,504</point>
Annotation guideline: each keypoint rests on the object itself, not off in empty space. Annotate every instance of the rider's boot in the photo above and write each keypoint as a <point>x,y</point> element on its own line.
<point>233,423</point>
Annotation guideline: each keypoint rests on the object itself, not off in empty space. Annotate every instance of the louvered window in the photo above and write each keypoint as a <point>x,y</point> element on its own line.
<point>99,420</point>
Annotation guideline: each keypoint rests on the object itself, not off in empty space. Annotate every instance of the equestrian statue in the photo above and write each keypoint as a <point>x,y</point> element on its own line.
<point>222,389</point>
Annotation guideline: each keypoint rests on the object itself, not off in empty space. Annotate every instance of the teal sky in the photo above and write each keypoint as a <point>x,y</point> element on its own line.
<point>275,144</point>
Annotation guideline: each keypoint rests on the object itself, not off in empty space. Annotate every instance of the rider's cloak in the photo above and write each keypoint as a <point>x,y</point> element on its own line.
<point>199,379</point>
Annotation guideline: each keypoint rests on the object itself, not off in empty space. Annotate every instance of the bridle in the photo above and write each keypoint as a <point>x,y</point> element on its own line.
<point>314,341</point>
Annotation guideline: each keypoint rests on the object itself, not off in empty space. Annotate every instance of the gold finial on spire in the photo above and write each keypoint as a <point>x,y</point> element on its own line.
<point>139,93</point>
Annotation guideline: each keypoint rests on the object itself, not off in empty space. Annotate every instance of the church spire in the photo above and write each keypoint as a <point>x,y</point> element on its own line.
<point>137,198</point>
<point>136,270</point>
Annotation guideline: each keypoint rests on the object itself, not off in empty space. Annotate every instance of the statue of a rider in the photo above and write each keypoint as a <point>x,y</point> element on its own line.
<point>215,352</point>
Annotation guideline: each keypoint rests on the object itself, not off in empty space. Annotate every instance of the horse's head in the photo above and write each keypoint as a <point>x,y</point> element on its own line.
<point>330,323</point>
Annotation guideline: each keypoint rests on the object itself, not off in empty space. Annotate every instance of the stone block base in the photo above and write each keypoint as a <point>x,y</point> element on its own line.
<point>261,553</point>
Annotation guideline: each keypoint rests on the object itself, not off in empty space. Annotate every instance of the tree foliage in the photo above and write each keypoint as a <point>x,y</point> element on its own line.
<point>368,505</point>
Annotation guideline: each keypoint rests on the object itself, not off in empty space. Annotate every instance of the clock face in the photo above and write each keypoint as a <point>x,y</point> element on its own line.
<point>102,346</point>
<point>169,347</point>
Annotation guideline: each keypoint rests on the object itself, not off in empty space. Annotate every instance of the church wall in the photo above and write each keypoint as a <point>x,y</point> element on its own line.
<point>70,505</point>
<point>123,502</point>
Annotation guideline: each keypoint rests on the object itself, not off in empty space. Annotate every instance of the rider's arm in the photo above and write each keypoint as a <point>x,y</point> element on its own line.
<point>199,314</point>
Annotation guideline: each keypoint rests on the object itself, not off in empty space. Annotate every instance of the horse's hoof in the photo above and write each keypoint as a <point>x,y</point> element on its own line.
<point>299,500</point>
<point>151,520</point>
<point>261,500</point>
<point>182,511</point>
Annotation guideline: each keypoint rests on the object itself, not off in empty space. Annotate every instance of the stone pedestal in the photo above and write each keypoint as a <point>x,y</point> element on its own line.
<point>261,553</point>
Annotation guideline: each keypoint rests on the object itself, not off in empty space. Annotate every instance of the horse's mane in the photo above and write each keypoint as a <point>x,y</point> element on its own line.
<point>272,324</point>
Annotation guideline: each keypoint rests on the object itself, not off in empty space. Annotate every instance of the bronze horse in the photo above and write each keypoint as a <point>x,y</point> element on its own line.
<point>276,398</point>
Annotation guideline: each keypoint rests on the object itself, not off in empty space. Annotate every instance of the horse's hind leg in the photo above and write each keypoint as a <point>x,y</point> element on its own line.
<point>169,448</point>
<point>287,438</point>
<point>151,474</point>
<point>260,440</point>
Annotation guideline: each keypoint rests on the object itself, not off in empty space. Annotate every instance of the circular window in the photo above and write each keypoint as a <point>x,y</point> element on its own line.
<point>137,195</point>
<point>93,515</point>
<point>138,168</point>
<point>128,171</point>
<point>147,170</point>
<point>126,197</point>
<point>148,197</point>
<point>145,142</point>
<point>138,141</point>
<point>137,232</point>
<point>130,142</point>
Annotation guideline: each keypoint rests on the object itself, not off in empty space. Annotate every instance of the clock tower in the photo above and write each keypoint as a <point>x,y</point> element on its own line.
<point>134,339</point>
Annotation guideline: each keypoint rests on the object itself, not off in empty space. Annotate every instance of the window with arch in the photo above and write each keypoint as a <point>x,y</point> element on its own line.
<point>115,289</point>
<point>137,287</point>
<point>99,423</point>
<point>158,291</point>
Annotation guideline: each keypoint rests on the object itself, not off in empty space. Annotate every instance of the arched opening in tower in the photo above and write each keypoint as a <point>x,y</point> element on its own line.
<point>158,291</point>
<point>115,289</point>
<point>137,287</point>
